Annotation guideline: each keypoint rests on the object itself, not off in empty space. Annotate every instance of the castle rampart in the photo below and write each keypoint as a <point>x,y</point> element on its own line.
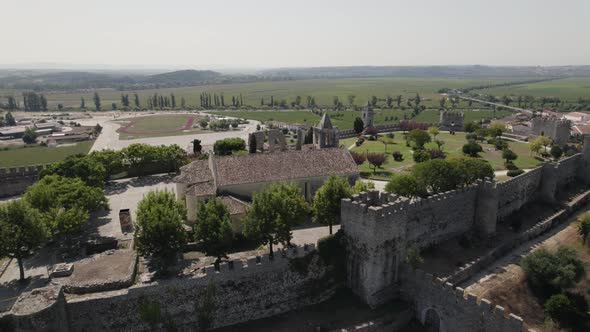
<point>380,227</point>
<point>15,180</point>
<point>256,288</point>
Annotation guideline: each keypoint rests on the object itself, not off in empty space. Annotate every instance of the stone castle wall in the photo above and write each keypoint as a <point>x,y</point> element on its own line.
<point>14,181</point>
<point>380,227</point>
<point>258,289</point>
<point>452,308</point>
<point>558,130</point>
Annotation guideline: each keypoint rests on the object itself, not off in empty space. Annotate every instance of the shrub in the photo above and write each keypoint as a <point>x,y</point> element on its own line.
<point>436,154</point>
<point>552,272</point>
<point>472,149</point>
<point>372,138</point>
<point>421,156</point>
<point>397,156</point>
<point>360,141</point>
<point>471,136</point>
<point>510,166</point>
<point>568,309</point>
<point>556,151</point>
<point>228,145</point>
<point>509,155</point>
<point>359,158</point>
<point>514,172</point>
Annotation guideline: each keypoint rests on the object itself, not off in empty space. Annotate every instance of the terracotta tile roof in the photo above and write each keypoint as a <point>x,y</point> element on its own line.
<point>234,205</point>
<point>581,129</point>
<point>202,189</point>
<point>282,166</point>
<point>196,171</point>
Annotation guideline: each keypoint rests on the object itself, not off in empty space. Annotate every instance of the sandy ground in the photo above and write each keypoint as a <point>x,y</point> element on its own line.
<point>504,282</point>
<point>109,138</point>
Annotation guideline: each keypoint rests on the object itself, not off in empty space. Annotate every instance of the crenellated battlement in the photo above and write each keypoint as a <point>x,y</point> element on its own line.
<point>7,172</point>
<point>236,267</point>
<point>425,286</point>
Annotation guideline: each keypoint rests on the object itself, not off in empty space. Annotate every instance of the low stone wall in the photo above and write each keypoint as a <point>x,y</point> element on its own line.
<point>437,303</point>
<point>14,181</point>
<point>260,288</point>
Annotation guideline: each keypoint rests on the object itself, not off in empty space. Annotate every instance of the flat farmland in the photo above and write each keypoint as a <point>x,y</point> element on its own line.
<point>345,119</point>
<point>35,155</point>
<point>322,89</point>
<point>568,89</point>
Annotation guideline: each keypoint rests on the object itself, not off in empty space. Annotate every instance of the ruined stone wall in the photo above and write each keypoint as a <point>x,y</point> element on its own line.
<point>258,289</point>
<point>558,130</point>
<point>14,181</point>
<point>452,119</point>
<point>452,308</point>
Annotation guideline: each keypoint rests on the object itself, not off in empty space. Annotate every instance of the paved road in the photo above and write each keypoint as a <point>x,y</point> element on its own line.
<point>517,109</point>
<point>109,138</point>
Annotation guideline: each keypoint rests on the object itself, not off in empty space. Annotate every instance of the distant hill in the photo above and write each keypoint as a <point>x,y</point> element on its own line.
<point>184,77</point>
<point>475,71</point>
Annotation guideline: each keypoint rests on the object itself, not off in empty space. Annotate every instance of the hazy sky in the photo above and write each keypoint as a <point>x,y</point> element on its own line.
<point>271,33</point>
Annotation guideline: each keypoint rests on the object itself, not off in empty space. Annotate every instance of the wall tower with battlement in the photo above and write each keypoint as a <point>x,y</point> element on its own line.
<point>557,129</point>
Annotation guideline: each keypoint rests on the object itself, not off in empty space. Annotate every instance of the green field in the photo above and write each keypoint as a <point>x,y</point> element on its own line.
<point>158,126</point>
<point>452,147</point>
<point>322,89</point>
<point>568,89</point>
<point>345,119</point>
<point>34,155</point>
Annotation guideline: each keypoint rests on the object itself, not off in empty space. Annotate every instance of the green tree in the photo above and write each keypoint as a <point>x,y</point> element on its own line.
<point>87,169</point>
<point>471,127</point>
<point>273,212</point>
<point>65,222</point>
<point>22,232</point>
<point>433,131</point>
<point>326,202</point>
<point>496,128</point>
<point>556,152</point>
<point>213,229</point>
<point>472,149</point>
<point>30,136</point>
<point>136,100</point>
<point>406,185</point>
<point>552,272</point>
<point>584,227</point>
<point>111,160</point>
<point>509,155</point>
<point>159,228</point>
<point>419,137</point>
<point>82,103</point>
<point>386,141</point>
<point>538,142</point>
<point>9,119</point>
<point>413,257</point>
<point>96,100</point>
<point>360,186</point>
<point>358,125</point>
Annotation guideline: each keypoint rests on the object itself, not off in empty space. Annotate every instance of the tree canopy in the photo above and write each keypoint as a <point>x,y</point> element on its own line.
<point>273,212</point>
<point>22,232</point>
<point>326,202</point>
<point>159,231</point>
<point>213,228</point>
<point>418,137</point>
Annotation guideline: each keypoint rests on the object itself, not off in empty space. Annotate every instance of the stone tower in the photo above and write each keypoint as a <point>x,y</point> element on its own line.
<point>325,135</point>
<point>367,115</point>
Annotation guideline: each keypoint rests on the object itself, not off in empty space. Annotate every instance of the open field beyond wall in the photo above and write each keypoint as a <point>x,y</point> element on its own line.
<point>345,119</point>
<point>35,155</point>
<point>322,89</point>
<point>569,89</point>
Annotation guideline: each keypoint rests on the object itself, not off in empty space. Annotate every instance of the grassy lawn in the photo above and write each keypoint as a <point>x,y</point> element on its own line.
<point>158,126</point>
<point>452,147</point>
<point>35,155</point>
